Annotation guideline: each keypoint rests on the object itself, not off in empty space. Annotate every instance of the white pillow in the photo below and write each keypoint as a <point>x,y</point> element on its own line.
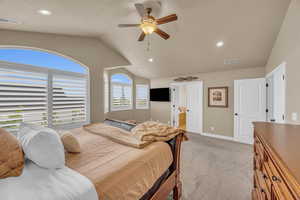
<point>42,145</point>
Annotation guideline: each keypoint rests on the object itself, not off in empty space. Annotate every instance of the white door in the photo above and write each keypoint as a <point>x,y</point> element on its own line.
<point>276,95</point>
<point>174,105</point>
<point>270,104</point>
<point>194,106</point>
<point>249,106</point>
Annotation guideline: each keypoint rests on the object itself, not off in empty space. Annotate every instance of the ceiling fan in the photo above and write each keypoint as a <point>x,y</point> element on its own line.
<point>149,24</point>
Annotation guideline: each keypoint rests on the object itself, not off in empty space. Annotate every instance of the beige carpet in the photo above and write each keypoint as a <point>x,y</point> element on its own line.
<point>214,169</point>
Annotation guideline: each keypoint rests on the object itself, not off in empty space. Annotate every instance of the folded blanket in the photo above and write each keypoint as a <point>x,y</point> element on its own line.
<point>139,137</point>
<point>116,134</point>
<point>154,131</point>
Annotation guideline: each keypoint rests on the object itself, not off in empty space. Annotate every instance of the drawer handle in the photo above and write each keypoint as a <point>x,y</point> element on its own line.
<point>275,178</point>
<point>262,190</point>
<point>265,176</point>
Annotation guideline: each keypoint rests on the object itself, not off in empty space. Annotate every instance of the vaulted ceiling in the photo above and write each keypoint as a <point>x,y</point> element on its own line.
<point>248,28</point>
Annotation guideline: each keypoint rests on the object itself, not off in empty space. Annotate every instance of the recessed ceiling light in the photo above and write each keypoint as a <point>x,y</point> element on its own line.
<point>220,44</point>
<point>44,12</point>
<point>150,60</point>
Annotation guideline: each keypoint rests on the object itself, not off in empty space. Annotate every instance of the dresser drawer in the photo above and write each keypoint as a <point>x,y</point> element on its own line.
<point>266,178</point>
<point>262,184</point>
<point>257,195</point>
<point>254,194</point>
<point>257,163</point>
<point>258,148</point>
<point>280,188</point>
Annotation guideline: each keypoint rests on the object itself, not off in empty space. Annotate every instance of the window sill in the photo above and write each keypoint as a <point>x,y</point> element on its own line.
<point>121,109</point>
<point>142,108</point>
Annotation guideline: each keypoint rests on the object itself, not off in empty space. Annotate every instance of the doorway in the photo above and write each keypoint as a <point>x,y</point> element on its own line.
<point>187,99</point>
<point>249,106</point>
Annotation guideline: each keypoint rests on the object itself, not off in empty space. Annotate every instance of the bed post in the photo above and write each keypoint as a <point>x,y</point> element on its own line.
<point>177,191</point>
<point>173,181</point>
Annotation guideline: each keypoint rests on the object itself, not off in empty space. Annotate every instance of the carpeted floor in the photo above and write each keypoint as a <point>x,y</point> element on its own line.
<point>214,169</point>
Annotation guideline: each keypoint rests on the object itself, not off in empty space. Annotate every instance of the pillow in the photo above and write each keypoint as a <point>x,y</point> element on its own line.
<point>42,146</point>
<point>70,142</point>
<point>11,155</point>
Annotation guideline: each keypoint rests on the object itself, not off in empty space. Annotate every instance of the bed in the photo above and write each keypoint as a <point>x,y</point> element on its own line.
<point>103,170</point>
<point>122,172</point>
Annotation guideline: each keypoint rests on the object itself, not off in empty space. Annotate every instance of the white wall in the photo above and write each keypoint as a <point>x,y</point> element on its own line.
<point>220,118</point>
<point>287,49</point>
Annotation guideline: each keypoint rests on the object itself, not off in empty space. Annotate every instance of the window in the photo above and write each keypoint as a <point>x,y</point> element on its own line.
<point>121,92</point>
<point>142,96</point>
<point>23,98</point>
<point>69,96</point>
<point>45,96</point>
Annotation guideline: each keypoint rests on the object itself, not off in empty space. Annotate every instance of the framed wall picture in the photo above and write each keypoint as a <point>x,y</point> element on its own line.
<point>218,97</point>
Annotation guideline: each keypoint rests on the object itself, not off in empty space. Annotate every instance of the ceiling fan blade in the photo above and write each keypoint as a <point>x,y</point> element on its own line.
<point>167,19</point>
<point>142,37</point>
<point>128,25</point>
<point>141,9</point>
<point>162,33</point>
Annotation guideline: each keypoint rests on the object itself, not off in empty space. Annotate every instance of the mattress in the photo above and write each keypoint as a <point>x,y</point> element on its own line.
<point>38,183</point>
<point>118,171</point>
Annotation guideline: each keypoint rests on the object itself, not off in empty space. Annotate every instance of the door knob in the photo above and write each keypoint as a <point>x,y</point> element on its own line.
<point>236,114</point>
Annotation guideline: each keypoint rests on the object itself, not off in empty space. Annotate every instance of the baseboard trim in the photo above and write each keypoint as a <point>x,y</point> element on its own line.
<point>219,136</point>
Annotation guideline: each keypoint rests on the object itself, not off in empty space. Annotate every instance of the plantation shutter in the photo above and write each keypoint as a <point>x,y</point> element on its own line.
<point>69,99</point>
<point>121,96</point>
<point>142,96</point>
<point>23,98</point>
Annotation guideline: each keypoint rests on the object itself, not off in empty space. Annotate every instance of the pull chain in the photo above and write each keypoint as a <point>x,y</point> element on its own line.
<point>148,43</point>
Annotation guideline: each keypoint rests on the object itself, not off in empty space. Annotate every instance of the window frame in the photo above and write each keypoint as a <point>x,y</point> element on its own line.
<point>148,96</point>
<point>50,72</point>
<point>112,108</point>
<point>106,92</point>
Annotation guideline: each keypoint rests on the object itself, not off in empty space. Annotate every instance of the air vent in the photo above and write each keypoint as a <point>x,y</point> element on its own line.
<point>9,21</point>
<point>188,78</point>
<point>231,61</point>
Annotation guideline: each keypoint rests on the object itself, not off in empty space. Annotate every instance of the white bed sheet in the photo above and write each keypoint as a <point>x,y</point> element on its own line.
<point>37,183</point>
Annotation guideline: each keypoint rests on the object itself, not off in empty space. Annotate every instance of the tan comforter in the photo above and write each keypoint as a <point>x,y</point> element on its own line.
<point>119,171</point>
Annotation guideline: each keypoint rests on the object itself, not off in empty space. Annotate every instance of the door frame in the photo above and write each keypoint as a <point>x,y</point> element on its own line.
<point>280,67</point>
<point>202,97</point>
<point>235,125</point>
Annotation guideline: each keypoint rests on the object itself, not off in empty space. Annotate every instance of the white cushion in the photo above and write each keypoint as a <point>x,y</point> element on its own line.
<point>42,146</point>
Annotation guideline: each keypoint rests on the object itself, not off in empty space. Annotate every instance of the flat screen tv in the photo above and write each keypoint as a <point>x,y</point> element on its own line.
<point>160,94</point>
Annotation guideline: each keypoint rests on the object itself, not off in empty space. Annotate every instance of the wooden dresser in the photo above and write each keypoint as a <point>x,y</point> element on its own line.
<point>276,161</point>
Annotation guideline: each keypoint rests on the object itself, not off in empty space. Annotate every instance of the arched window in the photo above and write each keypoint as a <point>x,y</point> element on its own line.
<point>121,92</point>
<point>42,88</point>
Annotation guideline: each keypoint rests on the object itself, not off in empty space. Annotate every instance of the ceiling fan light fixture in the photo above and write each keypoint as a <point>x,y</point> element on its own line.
<point>148,26</point>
